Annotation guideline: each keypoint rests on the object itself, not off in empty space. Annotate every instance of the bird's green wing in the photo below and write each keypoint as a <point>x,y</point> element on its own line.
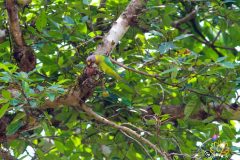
<point>109,63</point>
<point>107,66</point>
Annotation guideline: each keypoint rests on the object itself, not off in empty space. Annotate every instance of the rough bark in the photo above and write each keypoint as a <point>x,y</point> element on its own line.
<point>23,54</point>
<point>120,27</point>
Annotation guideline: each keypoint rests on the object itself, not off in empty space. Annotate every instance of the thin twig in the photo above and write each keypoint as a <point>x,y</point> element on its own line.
<point>225,47</point>
<point>156,76</point>
<point>86,42</point>
<point>139,129</point>
<point>218,34</point>
<point>138,143</point>
<point>134,70</point>
<point>185,19</point>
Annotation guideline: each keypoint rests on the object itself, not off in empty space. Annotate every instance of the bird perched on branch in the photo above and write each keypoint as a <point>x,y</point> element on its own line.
<point>105,64</point>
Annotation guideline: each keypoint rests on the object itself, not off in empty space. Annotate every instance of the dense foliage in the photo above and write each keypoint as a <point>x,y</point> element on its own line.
<point>192,99</point>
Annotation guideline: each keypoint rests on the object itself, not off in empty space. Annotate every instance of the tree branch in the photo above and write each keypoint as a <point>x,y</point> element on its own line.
<point>5,155</point>
<point>190,17</point>
<point>156,76</point>
<point>140,144</point>
<point>185,19</point>
<point>120,27</point>
<point>218,34</point>
<point>127,130</point>
<point>23,54</point>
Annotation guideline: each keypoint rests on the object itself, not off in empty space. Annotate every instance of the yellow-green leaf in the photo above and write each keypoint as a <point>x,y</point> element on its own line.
<point>3,109</point>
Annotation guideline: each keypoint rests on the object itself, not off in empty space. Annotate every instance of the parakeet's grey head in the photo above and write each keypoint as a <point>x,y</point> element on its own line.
<point>91,59</point>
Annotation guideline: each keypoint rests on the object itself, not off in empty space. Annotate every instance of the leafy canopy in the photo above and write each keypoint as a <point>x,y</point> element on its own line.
<point>197,64</point>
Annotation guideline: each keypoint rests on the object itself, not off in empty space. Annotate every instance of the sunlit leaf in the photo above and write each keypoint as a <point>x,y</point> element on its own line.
<point>182,37</point>
<point>3,109</point>
<point>41,21</point>
<point>6,94</point>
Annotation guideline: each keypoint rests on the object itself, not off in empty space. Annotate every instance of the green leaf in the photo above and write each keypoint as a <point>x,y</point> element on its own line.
<point>170,9</point>
<point>174,69</point>
<point>41,21</point>
<point>40,88</point>
<point>227,64</point>
<point>68,20</point>
<point>63,81</point>
<point>85,19</point>
<point>46,128</point>
<point>51,96</point>
<point>209,119</point>
<point>156,33</point>
<point>3,100</point>
<point>18,146</point>
<point>14,102</point>
<point>22,76</point>
<point>151,122</point>
<point>4,67</point>
<point>95,3</point>
<point>182,37</point>
<point>156,109</point>
<point>59,145</point>
<point>87,2</point>
<point>124,87</point>
<point>18,117</point>
<point>167,20</point>
<point>229,132</point>
<point>166,46</point>
<point>33,103</point>
<point>220,59</point>
<point>57,25</point>
<point>192,104</point>
<point>82,28</point>
<point>40,153</point>
<point>26,87</point>
<point>13,127</point>
<point>3,109</point>
<point>5,77</point>
<point>6,94</point>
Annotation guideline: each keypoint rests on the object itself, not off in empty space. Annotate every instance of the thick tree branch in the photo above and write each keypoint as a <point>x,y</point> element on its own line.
<point>120,27</point>
<point>5,155</point>
<point>87,82</point>
<point>127,130</point>
<point>23,54</point>
<point>91,76</point>
<point>72,99</point>
<point>76,94</point>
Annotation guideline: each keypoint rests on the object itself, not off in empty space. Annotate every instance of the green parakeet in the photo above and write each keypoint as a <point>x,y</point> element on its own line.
<point>104,64</point>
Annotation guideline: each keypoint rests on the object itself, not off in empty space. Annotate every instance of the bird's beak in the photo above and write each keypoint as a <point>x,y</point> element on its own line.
<point>88,63</point>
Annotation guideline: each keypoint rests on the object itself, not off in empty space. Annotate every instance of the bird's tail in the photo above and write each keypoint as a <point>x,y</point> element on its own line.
<point>117,76</point>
